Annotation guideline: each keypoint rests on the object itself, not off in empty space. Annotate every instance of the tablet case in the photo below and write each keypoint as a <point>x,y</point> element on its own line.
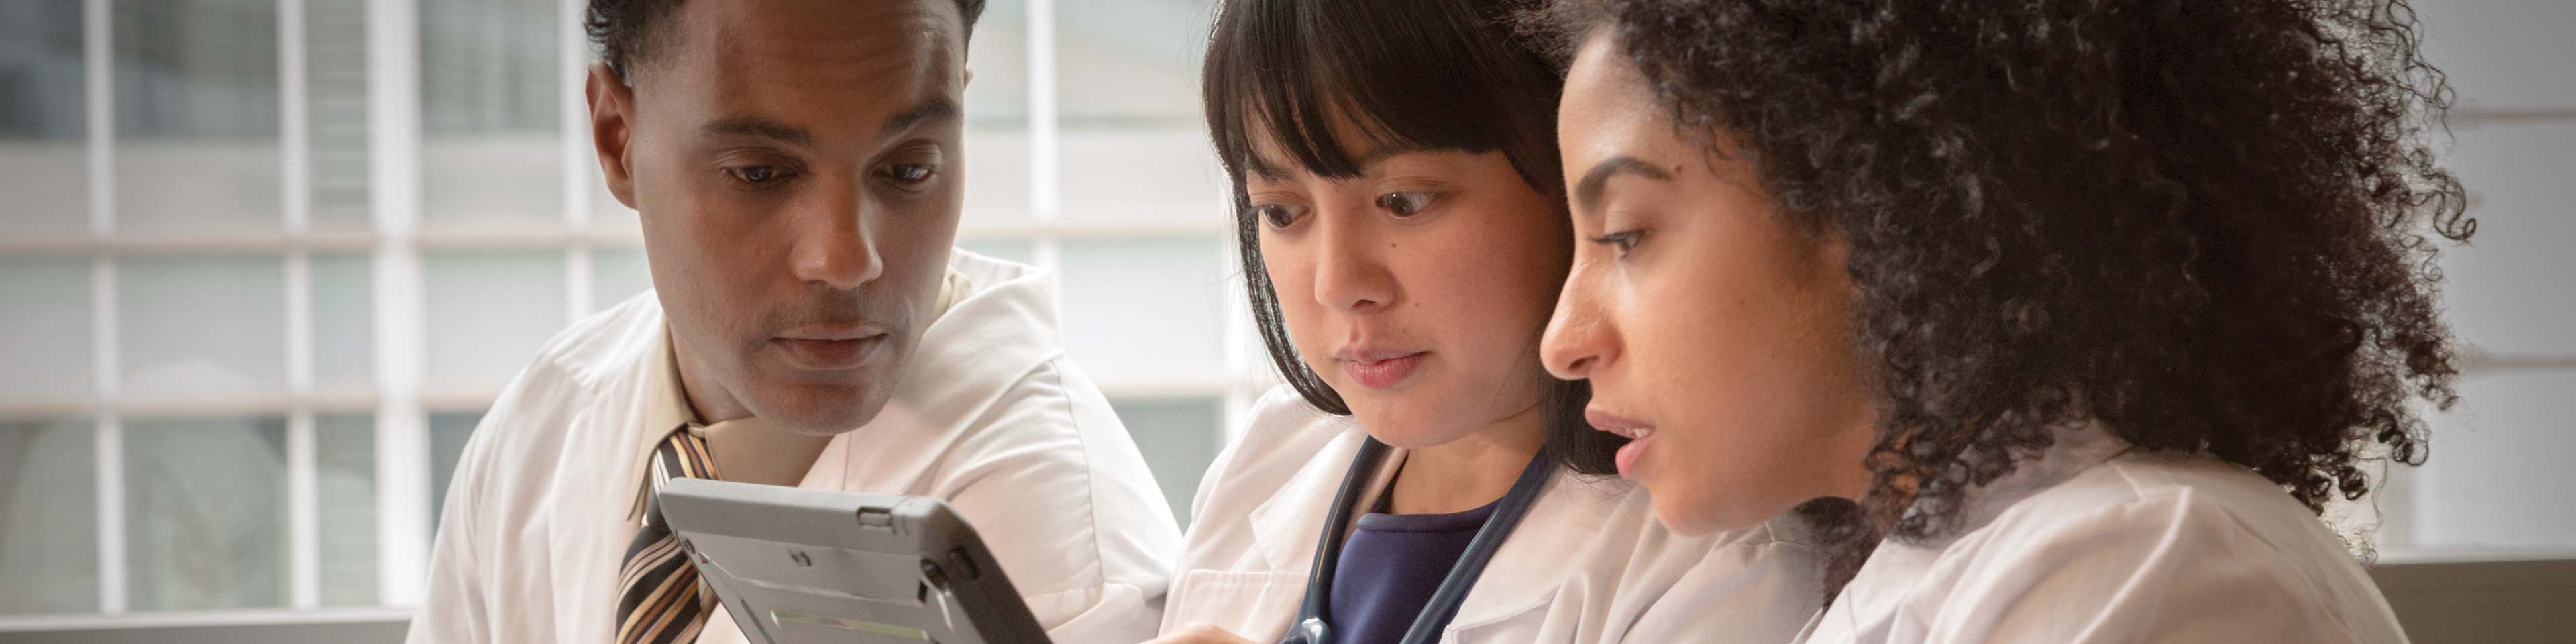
<point>800,566</point>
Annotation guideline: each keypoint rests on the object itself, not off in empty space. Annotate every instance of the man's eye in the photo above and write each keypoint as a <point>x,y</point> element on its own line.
<point>1404,204</point>
<point>756,174</point>
<point>909,173</point>
<point>1278,215</point>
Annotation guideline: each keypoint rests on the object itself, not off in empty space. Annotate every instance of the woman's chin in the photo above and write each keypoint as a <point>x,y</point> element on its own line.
<point>1691,514</point>
<point>1409,429</point>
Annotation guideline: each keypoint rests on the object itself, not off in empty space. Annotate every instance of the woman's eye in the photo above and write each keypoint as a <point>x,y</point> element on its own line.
<point>1623,241</point>
<point>1404,204</point>
<point>910,173</point>
<point>1278,215</point>
<point>756,174</point>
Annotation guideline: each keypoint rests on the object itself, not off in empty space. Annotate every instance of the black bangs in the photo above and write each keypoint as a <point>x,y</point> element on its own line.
<point>1445,75</point>
<point>1409,75</point>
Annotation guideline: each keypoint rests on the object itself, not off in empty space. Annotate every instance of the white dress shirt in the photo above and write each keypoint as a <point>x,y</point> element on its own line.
<point>1588,564</point>
<point>989,416</point>
<point>2095,543</point>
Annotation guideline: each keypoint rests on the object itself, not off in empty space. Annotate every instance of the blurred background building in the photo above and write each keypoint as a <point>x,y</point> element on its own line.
<point>263,264</point>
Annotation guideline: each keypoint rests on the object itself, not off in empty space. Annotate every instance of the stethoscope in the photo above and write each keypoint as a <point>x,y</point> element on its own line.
<point>1311,627</point>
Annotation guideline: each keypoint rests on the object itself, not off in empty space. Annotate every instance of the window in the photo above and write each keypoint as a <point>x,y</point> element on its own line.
<point>2490,488</point>
<point>249,241</point>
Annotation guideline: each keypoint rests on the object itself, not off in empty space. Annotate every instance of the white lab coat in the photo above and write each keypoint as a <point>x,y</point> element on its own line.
<point>1588,563</point>
<point>2092,543</point>
<point>989,417</point>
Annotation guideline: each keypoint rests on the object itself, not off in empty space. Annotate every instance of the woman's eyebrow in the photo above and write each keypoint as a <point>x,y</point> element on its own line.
<point>1587,192</point>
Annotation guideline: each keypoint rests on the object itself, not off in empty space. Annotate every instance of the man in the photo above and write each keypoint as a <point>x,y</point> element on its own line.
<point>796,164</point>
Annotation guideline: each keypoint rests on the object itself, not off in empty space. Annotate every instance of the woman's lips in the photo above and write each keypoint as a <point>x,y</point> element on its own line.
<point>1638,433</point>
<point>1381,372</point>
<point>1629,455</point>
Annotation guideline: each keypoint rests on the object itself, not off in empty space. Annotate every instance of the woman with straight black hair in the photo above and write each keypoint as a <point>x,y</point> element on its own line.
<point>1395,194</point>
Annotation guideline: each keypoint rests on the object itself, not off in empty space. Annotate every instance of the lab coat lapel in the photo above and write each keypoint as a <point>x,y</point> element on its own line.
<point>1523,574</point>
<point>1531,565</point>
<point>1286,527</point>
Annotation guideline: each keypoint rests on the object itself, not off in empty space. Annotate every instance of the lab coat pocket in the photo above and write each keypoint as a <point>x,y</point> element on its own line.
<point>1523,625</point>
<point>1254,604</point>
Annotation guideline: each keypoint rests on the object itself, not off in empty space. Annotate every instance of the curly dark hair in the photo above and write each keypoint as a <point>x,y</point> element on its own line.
<point>626,32</point>
<point>2200,224</point>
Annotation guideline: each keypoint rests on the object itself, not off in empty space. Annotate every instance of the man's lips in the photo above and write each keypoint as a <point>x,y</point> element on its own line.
<point>831,347</point>
<point>833,332</point>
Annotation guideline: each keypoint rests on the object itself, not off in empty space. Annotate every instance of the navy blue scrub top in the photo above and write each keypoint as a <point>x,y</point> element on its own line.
<point>1391,565</point>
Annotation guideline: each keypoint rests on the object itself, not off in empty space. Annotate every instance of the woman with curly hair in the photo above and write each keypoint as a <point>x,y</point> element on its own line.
<point>2071,314</point>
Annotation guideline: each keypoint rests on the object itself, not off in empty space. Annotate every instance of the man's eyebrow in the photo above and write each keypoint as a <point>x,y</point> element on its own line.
<point>1587,193</point>
<point>768,128</point>
<point>936,109</point>
<point>761,127</point>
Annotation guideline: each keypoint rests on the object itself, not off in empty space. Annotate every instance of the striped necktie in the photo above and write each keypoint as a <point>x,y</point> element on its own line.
<point>658,595</point>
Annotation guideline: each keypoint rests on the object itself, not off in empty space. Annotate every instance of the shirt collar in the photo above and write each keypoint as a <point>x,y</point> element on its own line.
<point>1889,576</point>
<point>2072,450</point>
<point>668,405</point>
<point>952,288</point>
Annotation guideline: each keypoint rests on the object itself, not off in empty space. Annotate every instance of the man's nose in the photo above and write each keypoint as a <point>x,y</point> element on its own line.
<point>835,245</point>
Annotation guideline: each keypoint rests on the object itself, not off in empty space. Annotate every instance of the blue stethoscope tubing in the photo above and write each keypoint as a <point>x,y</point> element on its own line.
<point>1311,626</point>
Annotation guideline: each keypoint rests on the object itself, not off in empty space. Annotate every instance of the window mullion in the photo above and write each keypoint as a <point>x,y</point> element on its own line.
<point>98,60</point>
<point>295,144</point>
<point>1045,193</point>
<point>572,106</point>
<point>402,441</point>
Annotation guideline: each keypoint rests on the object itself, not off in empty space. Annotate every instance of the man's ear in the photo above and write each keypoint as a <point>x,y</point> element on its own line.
<point>612,113</point>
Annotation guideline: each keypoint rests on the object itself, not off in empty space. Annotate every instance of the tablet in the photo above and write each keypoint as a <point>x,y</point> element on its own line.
<point>799,566</point>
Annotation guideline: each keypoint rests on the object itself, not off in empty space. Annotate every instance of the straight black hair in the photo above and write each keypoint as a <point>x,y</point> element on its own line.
<point>1412,75</point>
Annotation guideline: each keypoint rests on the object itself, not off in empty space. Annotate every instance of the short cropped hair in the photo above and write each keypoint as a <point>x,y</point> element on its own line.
<point>627,32</point>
